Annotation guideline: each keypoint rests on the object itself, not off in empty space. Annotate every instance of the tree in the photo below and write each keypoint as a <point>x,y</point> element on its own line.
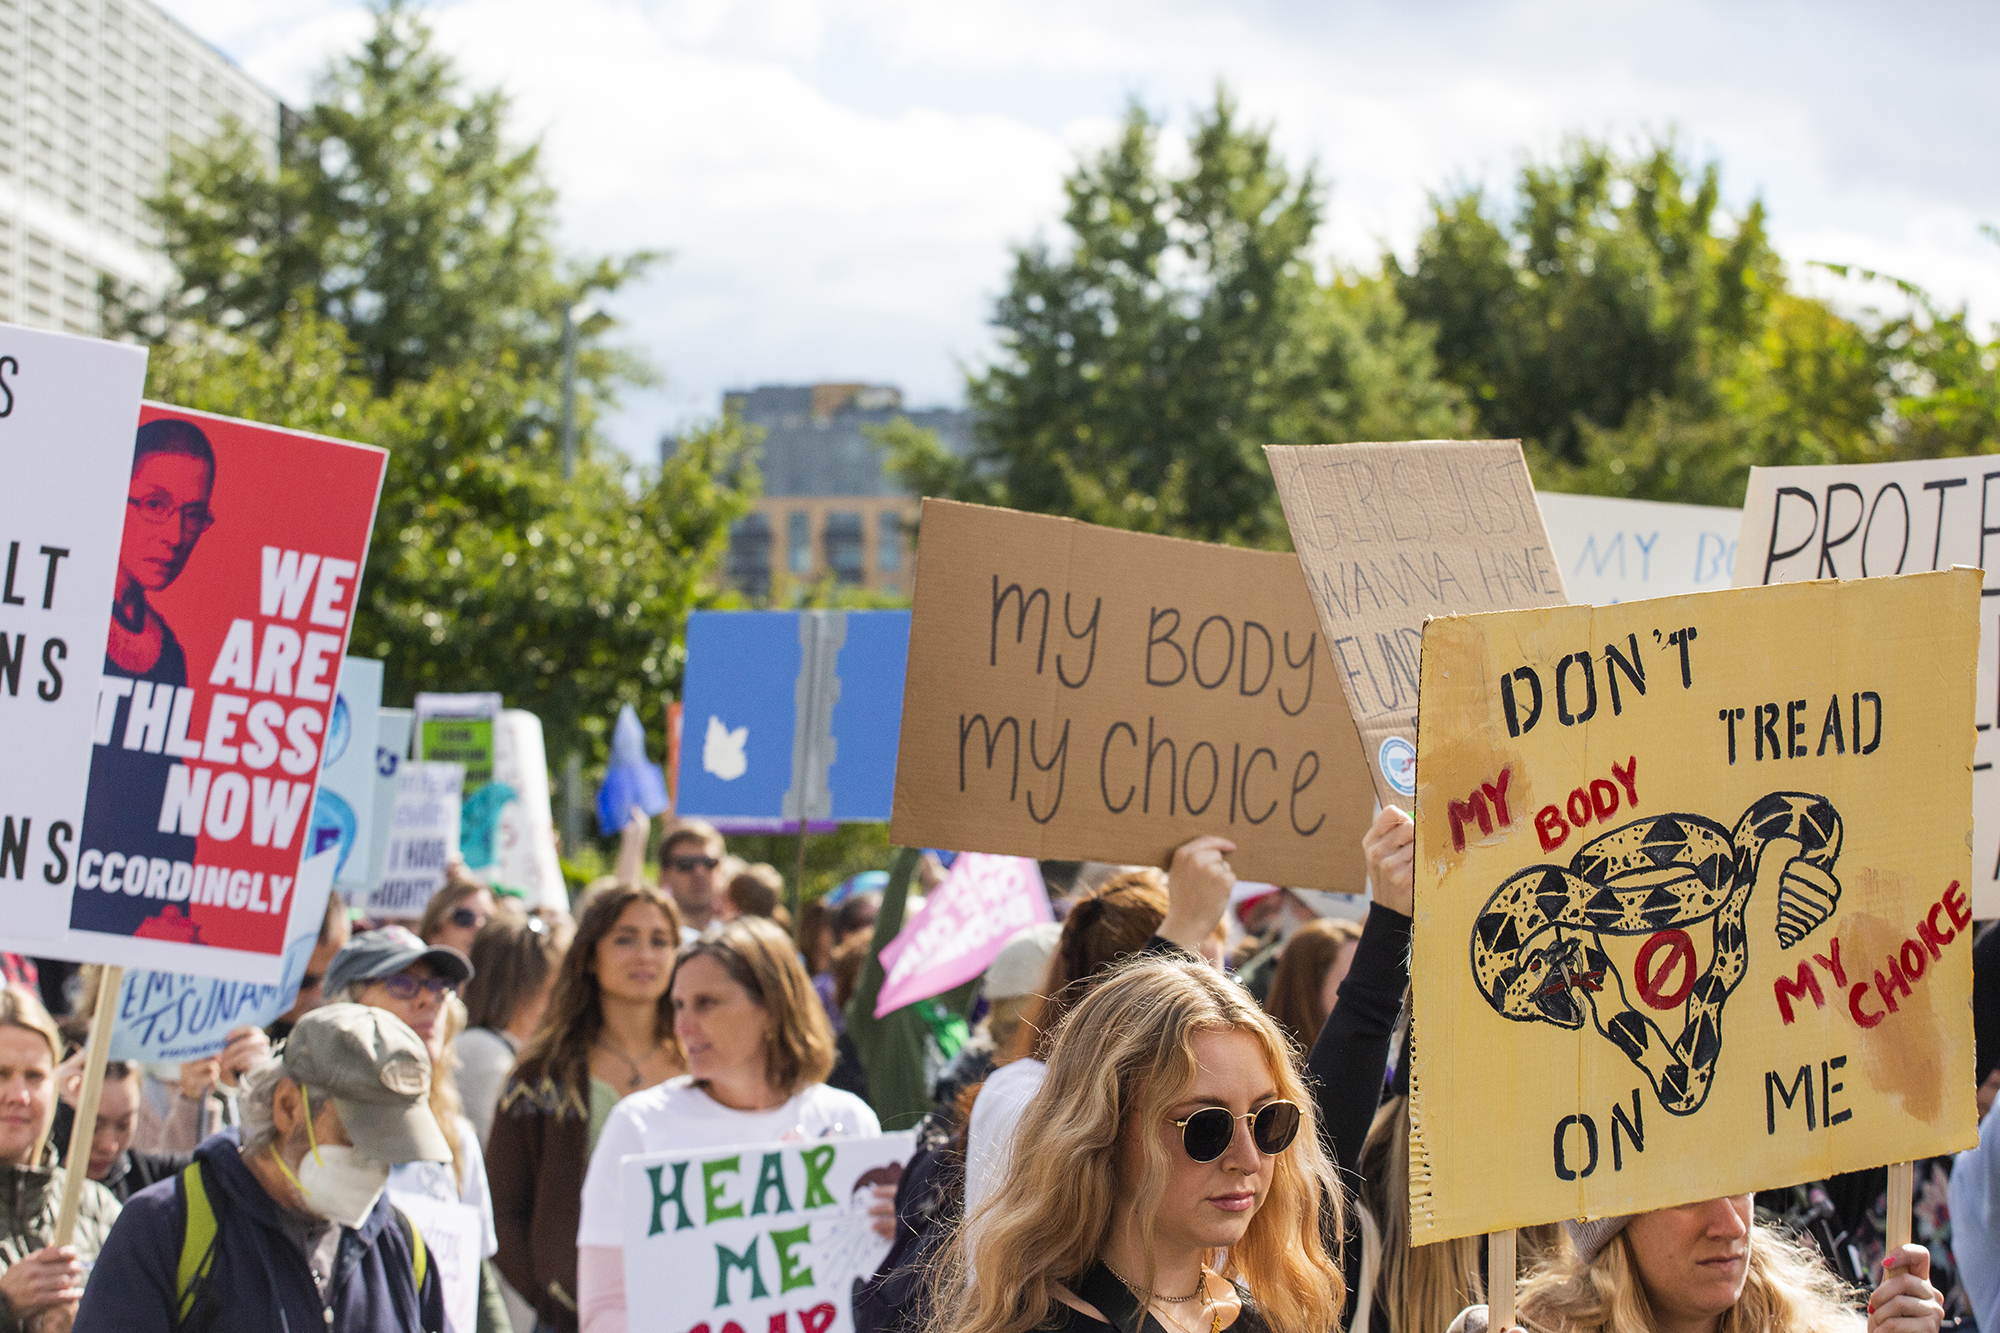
<point>1180,329</point>
<point>1617,284</point>
<point>393,279</point>
<point>399,209</point>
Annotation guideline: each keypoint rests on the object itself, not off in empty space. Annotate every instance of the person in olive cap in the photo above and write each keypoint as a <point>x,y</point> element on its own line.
<point>286,1226</point>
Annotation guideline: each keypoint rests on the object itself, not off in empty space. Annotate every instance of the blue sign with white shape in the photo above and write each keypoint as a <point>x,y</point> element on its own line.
<point>790,715</point>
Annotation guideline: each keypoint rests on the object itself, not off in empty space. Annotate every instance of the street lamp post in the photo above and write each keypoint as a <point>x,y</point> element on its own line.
<point>574,313</point>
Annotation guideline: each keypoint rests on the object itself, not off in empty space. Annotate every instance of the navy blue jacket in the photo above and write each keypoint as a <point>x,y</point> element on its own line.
<point>260,1279</point>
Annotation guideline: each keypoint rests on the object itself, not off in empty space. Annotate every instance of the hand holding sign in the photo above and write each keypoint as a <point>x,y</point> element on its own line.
<point>1391,849</point>
<point>1198,886</point>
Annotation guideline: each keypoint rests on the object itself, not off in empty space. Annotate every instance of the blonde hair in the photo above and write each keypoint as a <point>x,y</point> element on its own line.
<point>21,1008</point>
<point>1125,1054</point>
<point>447,1107</point>
<point>758,956</point>
<point>1787,1289</point>
<point>1420,1289</point>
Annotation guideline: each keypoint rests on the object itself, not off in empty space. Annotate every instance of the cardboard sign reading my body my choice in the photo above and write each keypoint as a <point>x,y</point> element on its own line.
<point>67,407</point>
<point>1084,693</point>
<point>239,571</point>
<point>1895,518</point>
<point>1691,881</point>
<point>765,1237</point>
<point>1389,534</point>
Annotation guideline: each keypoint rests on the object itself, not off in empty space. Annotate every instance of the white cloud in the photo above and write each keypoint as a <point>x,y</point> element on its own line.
<point>840,180</point>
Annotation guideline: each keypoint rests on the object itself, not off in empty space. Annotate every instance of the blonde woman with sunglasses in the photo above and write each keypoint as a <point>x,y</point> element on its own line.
<point>1168,1168</point>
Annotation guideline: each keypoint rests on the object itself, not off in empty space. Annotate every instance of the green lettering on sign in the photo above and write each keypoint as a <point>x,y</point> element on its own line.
<point>792,1273</point>
<point>727,1259</point>
<point>818,1162</point>
<point>712,1187</point>
<point>771,1176</point>
<point>662,1199</point>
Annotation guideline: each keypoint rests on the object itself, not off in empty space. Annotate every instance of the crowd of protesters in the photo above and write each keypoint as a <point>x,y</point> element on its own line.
<point>1182,1109</point>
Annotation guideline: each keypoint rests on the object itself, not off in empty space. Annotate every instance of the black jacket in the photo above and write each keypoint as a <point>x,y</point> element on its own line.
<point>260,1279</point>
<point>132,1172</point>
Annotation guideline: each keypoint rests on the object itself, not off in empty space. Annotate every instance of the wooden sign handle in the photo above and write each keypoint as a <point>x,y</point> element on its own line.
<point>1499,1281</point>
<point>84,1128</point>
<point>1901,1204</point>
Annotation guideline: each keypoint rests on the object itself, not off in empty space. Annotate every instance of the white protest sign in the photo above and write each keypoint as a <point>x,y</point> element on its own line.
<point>392,750</point>
<point>423,838</point>
<point>67,410</point>
<point>1863,520</point>
<point>170,1016</point>
<point>524,840</point>
<point>1612,550</point>
<point>984,902</point>
<point>452,1233</point>
<point>767,1238</point>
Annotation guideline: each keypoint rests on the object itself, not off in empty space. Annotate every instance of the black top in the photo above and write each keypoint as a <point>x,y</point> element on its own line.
<point>1116,1302</point>
<point>131,1171</point>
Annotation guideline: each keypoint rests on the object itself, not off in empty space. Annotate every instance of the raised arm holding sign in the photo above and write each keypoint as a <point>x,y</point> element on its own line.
<point>1691,874</point>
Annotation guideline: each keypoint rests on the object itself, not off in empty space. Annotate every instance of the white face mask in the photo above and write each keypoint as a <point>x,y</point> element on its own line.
<point>340,1184</point>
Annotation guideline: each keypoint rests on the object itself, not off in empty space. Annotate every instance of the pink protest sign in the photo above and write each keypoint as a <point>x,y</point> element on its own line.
<point>982,904</point>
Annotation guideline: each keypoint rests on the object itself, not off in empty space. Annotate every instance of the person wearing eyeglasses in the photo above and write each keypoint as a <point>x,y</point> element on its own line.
<point>688,858</point>
<point>394,970</point>
<point>1169,1169</point>
<point>167,511</point>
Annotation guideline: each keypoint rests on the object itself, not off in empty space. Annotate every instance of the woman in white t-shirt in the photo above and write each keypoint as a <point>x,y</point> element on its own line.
<point>758,1047</point>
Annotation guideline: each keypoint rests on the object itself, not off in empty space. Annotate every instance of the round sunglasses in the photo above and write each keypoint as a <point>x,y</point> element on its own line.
<point>1207,1134</point>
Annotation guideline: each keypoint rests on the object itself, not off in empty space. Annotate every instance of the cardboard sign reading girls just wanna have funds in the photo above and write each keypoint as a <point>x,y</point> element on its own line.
<point>1692,880</point>
<point>1389,534</point>
<point>767,1238</point>
<point>240,571</point>
<point>1081,692</point>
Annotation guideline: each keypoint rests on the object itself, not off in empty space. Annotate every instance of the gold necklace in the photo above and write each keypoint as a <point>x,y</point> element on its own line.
<point>1136,1289</point>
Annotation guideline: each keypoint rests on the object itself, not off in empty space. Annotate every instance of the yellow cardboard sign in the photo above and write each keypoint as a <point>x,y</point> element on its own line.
<point>1692,915</point>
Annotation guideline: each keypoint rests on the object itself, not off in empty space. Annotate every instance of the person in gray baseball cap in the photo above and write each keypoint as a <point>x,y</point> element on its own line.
<point>285,1224</point>
<point>392,969</point>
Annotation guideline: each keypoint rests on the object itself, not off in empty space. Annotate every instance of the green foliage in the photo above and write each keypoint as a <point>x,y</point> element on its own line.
<point>487,570</point>
<point>1181,329</point>
<point>1615,284</point>
<point>393,278</point>
<point>1642,342</point>
<point>396,205</point>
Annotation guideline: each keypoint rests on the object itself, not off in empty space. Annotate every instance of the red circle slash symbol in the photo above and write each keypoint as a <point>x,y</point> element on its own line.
<point>1680,950</point>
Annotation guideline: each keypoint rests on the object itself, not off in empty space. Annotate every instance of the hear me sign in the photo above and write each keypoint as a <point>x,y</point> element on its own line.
<point>1692,880</point>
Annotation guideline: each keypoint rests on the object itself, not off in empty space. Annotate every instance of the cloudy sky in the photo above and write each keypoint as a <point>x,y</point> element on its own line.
<point>840,180</point>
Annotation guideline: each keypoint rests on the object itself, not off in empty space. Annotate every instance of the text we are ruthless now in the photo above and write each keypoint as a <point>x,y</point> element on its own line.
<point>250,755</point>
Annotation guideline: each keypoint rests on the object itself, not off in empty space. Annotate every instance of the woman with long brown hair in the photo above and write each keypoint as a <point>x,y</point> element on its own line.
<point>1311,966</point>
<point>758,1050</point>
<point>1170,1169</point>
<point>607,1033</point>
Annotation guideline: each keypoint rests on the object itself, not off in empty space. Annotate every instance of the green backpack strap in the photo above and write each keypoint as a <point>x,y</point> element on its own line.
<point>197,1241</point>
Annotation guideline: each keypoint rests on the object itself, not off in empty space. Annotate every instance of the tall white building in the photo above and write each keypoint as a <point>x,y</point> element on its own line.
<point>92,95</point>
